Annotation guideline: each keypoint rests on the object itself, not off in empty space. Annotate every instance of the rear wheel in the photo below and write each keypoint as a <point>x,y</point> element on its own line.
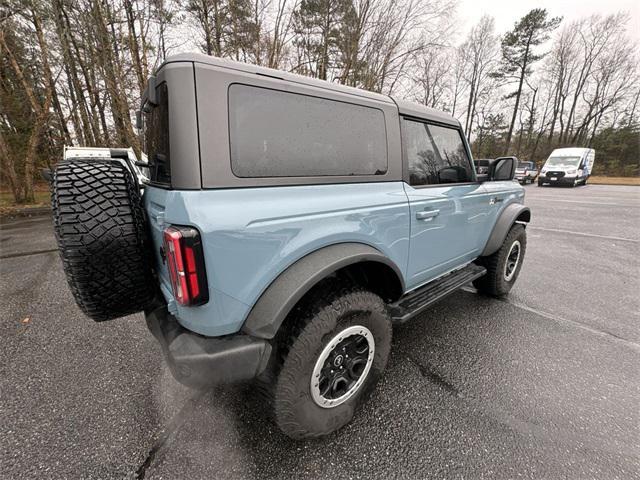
<point>333,355</point>
<point>503,267</point>
<point>100,227</point>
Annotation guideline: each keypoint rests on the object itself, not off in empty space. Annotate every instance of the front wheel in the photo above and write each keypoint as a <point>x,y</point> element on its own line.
<point>335,353</point>
<point>503,267</point>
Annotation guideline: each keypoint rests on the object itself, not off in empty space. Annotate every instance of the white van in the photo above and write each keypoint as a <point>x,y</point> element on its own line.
<point>567,166</point>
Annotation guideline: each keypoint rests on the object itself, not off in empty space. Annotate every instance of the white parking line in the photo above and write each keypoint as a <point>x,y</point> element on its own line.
<point>591,203</point>
<point>559,319</point>
<point>606,237</point>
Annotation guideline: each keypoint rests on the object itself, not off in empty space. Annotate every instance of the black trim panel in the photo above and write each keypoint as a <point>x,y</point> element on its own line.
<point>503,225</point>
<point>201,362</point>
<point>289,287</point>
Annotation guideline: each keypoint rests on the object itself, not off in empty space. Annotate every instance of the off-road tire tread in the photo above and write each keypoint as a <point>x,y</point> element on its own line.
<point>277,385</point>
<point>492,282</point>
<point>100,226</point>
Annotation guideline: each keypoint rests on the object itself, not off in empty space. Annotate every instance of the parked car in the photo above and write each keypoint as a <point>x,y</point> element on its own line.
<point>567,166</point>
<point>526,172</point>
<point>482,165</point>
<point>286,225</point>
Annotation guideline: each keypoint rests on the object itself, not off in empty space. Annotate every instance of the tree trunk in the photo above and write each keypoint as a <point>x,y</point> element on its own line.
<point>9,169</point>
<point>111,71</point>
<point>76,90</point>
<point>133,45</point>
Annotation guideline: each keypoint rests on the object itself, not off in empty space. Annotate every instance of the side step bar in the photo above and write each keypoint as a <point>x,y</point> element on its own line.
<point>417,301</point>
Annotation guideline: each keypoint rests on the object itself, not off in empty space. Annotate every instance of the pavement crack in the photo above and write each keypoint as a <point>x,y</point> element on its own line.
<point>174,425</point>
<point>27,254</point>
<point>434,377</point>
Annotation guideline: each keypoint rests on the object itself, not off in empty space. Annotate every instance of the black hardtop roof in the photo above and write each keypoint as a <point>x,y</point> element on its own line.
<point>404,107</point>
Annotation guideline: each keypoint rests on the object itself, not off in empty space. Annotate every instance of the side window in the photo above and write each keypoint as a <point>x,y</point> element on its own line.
<point>435,154</point>
<point>282,134</point>
<point>156,137</point>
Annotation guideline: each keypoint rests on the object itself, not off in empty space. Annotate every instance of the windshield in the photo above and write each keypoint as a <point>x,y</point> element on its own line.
<point>563,161</point>
<point>525,165</point>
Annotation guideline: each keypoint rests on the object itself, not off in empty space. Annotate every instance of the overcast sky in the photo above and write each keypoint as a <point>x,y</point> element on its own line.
<point>507,12</point>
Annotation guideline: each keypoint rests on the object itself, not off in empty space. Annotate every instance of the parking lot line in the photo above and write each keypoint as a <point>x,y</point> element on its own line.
<point>588,203</point>
<point>27,254</point>
<point>606,237</point>
<point>558,319</point>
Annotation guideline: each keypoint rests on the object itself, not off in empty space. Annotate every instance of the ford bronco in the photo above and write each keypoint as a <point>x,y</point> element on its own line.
<point>285,225</point>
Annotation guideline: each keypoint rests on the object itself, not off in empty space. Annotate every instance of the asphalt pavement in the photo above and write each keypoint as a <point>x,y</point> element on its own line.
<point>544,384</point>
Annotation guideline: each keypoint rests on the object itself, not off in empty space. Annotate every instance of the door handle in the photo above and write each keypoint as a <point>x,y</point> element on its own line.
<point>495,200</point>
<point>427,214</point>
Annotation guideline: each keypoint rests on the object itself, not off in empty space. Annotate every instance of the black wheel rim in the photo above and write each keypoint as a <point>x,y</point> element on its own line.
<point>512,261</point>
<point>342,366</point>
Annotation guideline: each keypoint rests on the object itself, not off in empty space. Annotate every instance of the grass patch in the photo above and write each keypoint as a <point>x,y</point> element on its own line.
<point>9,208</point>
<point>598,180</point>
<point>42,199</point>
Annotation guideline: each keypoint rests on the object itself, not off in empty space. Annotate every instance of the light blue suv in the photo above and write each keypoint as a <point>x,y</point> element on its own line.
<point>287,224</point>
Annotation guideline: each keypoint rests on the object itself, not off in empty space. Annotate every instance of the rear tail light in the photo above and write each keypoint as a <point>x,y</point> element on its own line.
<point>185,261</point>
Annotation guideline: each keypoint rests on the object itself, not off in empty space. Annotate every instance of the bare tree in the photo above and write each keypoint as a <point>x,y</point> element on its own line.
<point>432,78</point>
<point>479,54</point>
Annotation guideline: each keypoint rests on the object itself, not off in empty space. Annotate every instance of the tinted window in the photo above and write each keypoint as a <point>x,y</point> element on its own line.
<point>435,154</point>
<point>156,133</point>
<point>280,134</point>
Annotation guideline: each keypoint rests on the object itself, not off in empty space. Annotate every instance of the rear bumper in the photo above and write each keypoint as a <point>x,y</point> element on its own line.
<point>200,362</point>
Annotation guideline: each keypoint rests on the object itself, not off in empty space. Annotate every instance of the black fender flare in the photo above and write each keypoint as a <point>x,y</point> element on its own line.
<point>514,212</point>
<point>292,284</point>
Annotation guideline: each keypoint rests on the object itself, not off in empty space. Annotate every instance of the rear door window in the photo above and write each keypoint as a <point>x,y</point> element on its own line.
<point>282,134</point>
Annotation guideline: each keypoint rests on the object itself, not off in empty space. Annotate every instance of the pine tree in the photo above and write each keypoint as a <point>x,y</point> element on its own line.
<point>518,54</point>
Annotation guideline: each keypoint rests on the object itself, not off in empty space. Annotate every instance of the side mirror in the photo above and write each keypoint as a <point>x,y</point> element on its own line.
<point>503,168</point>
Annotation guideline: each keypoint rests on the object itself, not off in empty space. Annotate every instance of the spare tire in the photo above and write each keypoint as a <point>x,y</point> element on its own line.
<point>102,237</point>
